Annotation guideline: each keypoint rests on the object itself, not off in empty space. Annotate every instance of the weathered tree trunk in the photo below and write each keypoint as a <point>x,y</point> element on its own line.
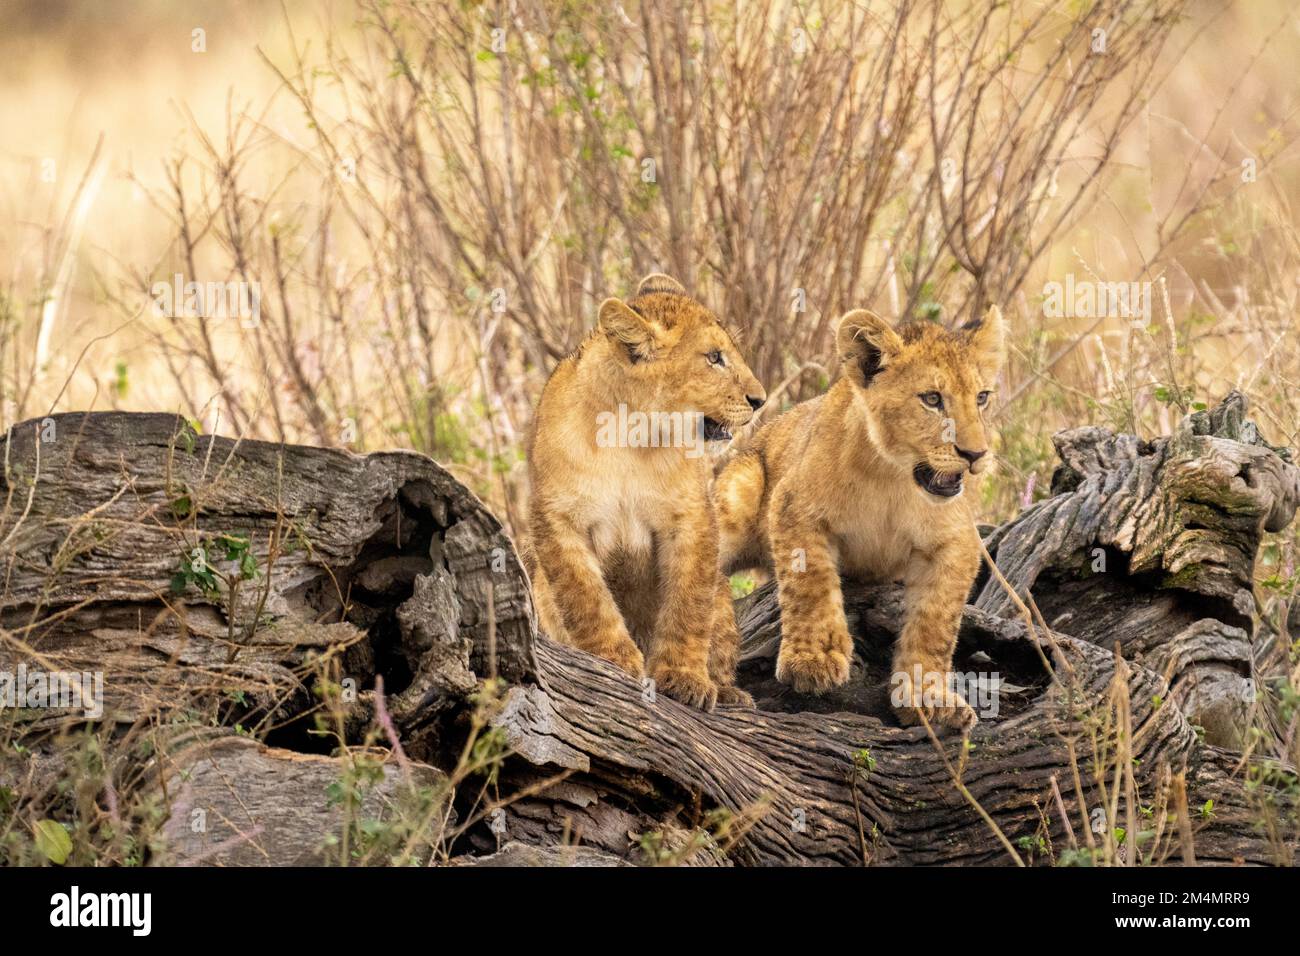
<point>1129,713</point>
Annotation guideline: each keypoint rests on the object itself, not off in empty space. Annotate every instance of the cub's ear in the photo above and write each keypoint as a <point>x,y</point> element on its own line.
<point>866,343</point>
<point>658,282</point>
<point>986,338</point>
<point>622,323</point>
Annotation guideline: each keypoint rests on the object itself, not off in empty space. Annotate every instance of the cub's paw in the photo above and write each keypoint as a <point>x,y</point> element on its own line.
<point>627,656</point>
<point>690,687</point>
<point>730,694</point>
<point>943,709</point>
<point>812,671</point>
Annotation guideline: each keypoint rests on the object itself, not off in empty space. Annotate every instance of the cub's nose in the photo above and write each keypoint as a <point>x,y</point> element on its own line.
<point>972,456</point>
<point>755,402</point>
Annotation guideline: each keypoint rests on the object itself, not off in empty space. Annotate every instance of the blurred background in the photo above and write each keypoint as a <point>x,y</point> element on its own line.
<point>431,198</point>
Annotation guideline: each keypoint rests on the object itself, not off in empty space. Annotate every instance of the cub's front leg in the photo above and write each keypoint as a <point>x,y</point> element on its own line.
<point>935,594</point>
<point>816,649</point>
<point>724,647</point>
<point>688,566</point>
<point>576,591</point>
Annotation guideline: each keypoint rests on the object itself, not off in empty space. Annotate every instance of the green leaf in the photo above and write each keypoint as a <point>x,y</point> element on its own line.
<point>53,841</point>
<point>236,548</point>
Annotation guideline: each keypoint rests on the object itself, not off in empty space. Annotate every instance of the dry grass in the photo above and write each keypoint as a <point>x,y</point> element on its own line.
<point>432,211</point>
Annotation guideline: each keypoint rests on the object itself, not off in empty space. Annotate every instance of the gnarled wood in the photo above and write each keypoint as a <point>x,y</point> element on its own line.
<point>400,573</point>
<point>106,509</point>
<point>1151,546</point>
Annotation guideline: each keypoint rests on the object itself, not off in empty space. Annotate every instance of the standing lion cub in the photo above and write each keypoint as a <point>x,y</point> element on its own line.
<point>869,480</point>
<point>624,537</point>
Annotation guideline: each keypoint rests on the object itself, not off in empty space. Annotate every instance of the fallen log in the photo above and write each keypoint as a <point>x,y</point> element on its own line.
<point>269,591</point>
<point>1151,546</point>
<point>197,570</point>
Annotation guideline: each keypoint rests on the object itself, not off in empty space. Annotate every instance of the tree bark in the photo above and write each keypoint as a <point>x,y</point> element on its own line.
<point>1135,704</point>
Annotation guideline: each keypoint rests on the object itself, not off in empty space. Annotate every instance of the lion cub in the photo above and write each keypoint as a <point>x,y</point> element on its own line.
<point>624,537</point>
<point>868,480</point>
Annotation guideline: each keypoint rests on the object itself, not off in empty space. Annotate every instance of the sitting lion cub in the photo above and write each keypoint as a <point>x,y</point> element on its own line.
<point>867,480</point>
<point>624,538</point>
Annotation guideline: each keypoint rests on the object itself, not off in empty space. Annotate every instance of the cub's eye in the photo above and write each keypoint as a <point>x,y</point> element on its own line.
<point>932,399</point>
<point>982,399</point>
<point>715,357</point>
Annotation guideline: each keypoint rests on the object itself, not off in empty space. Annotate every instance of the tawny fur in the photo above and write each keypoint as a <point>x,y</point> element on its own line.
<point>829,488</point>
<point>624,540</point>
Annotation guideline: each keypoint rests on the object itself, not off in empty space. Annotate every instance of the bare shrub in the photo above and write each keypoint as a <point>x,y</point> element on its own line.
<point>478,178</point>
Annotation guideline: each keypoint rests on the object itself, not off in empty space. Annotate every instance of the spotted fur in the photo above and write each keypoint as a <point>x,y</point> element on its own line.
<point>624,541</point>
<point>859,481</point>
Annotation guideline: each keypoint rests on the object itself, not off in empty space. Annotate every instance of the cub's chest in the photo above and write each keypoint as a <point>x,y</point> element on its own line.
<point>622,526</point>
<point>876,535</point>
<point>634,499</point>
<point>632,505</point>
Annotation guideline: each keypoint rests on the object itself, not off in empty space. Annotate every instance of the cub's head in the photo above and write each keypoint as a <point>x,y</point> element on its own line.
<point>925,391</point>
<point>673,355</point>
